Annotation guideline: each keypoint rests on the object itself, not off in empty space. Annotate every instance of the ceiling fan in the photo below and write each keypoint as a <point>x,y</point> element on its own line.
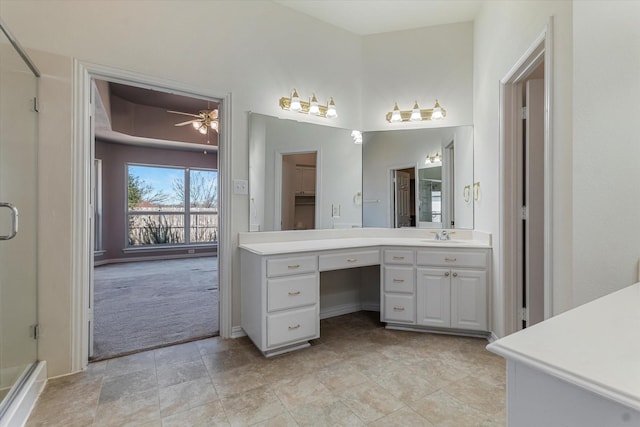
<point>204,120</point>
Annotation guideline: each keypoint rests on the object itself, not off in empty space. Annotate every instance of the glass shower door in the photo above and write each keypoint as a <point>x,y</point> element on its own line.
<point>18,216</point>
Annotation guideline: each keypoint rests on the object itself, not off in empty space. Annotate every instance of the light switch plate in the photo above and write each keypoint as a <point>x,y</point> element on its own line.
<point>335,211</point>
<point>240,186</point>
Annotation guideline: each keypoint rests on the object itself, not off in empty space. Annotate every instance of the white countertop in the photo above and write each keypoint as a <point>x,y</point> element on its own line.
<point>284,242</point>
<point>595,346</point>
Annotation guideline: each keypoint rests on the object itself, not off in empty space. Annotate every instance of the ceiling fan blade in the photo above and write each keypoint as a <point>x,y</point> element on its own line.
<point>187,122</point>
<point>184,114</point>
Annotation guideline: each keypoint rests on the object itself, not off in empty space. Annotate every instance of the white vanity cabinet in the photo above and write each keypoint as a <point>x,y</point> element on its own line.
<point>423,285</point>
<point>451,288</point>
<point>398,286</point>
<point>280,294</point>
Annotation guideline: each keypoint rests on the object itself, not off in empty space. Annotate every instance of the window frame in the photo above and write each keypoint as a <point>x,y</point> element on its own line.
<point>186,213</point>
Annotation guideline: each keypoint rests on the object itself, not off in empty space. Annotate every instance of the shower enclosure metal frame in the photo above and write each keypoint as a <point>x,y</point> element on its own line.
<point>21,373</point>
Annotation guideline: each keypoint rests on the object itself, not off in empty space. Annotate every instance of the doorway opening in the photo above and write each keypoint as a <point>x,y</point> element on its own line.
<point>526,186</point>
<point>404,197</point>
<point>299,191</point>
<point>154,272</point>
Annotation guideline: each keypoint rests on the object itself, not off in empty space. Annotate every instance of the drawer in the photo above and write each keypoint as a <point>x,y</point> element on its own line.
<point>399,279</point>
<point>291,265</point>
<point>292,291</point>
<point>448,258</point>
<point>395,256</point>
<point>290,326</point>
<point>399,308</point>
<point>348,260</point>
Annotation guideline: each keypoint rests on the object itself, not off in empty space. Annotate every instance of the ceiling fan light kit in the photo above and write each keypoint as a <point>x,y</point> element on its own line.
<point>202,121</point>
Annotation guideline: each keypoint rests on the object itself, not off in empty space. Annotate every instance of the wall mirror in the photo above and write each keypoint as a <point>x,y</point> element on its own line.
<point>418,178</point>
<point>302,176</point>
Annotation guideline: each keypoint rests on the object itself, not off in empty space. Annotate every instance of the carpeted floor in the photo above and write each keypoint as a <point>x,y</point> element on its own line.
<point>142,305</point>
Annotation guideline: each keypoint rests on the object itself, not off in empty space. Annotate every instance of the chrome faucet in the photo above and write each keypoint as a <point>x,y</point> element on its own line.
<point>443,235</point>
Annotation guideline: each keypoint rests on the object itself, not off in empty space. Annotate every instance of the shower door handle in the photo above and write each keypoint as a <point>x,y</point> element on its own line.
<point>14,221</point>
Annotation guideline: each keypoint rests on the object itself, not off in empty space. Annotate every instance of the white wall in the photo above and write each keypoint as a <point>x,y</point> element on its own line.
<point>606,150</point>
<point>503,31</point>
<point>463,170</point>
<point>419,65</point>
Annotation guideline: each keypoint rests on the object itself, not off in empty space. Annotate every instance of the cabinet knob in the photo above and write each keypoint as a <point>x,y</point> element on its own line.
<point>451,259</point>
<point>398,280</point>
<point>455,274</point>
<point>352,259</point>
<point>291,328</point>
<point>293,294</point>
<point>294,266</point>
<point>398,257</point>
<point>396,308</point>
<point>446,274</point>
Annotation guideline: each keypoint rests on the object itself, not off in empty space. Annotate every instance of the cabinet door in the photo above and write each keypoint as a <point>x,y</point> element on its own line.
<point>469,299</point>
<point>305,180</point>
<point>433,297</point>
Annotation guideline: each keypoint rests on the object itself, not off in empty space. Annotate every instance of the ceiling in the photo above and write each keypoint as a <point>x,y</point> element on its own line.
<point>155,98</point>
<point>140,116</point>
<point>365,17</point>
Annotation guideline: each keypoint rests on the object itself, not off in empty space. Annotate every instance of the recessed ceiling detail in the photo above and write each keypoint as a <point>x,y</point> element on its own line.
<point>139,116</point>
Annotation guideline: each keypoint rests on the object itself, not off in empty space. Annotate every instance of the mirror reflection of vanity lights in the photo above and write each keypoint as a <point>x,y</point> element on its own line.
<point>342,198</point>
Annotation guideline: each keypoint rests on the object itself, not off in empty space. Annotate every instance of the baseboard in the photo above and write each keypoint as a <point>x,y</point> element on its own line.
<point>237,332</point>
<point>492,337</point>
<point>23,403</point>
<point>339,310</point>
<point>101,262</point>
<point>443,331</point>
<point>370,306</point>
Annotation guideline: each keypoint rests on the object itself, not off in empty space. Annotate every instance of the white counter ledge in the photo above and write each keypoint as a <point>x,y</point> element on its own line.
<point>595,347</point>
<point>268,243</point>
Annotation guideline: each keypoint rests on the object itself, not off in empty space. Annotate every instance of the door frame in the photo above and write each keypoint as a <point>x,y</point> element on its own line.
<point>540,50</point>
<point>82,236</point>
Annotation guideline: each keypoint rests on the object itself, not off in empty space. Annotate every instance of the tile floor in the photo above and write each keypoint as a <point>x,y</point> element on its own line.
<point>358,373</point>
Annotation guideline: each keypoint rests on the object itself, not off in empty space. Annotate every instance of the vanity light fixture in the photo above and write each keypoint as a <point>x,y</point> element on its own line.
<point>416,114</point>
<point>293,103</point>
<point>436,158</point>
<point>395,115</point>
<point>314,108</point>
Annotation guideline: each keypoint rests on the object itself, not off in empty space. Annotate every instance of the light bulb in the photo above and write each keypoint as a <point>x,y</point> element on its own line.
<point>415,113</point>
<point>395,115</point>
<point>313,106</point>
<point>214,125</point>
<point>357,137</point>
<point>331,109</point>
<point>196,124</point>
<point>202,129</point>
<point>295,102</point>
<point>437,112</point>
<point>427,160</point>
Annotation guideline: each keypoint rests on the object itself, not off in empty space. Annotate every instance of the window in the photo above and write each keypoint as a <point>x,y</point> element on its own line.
<point>171,205</point>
